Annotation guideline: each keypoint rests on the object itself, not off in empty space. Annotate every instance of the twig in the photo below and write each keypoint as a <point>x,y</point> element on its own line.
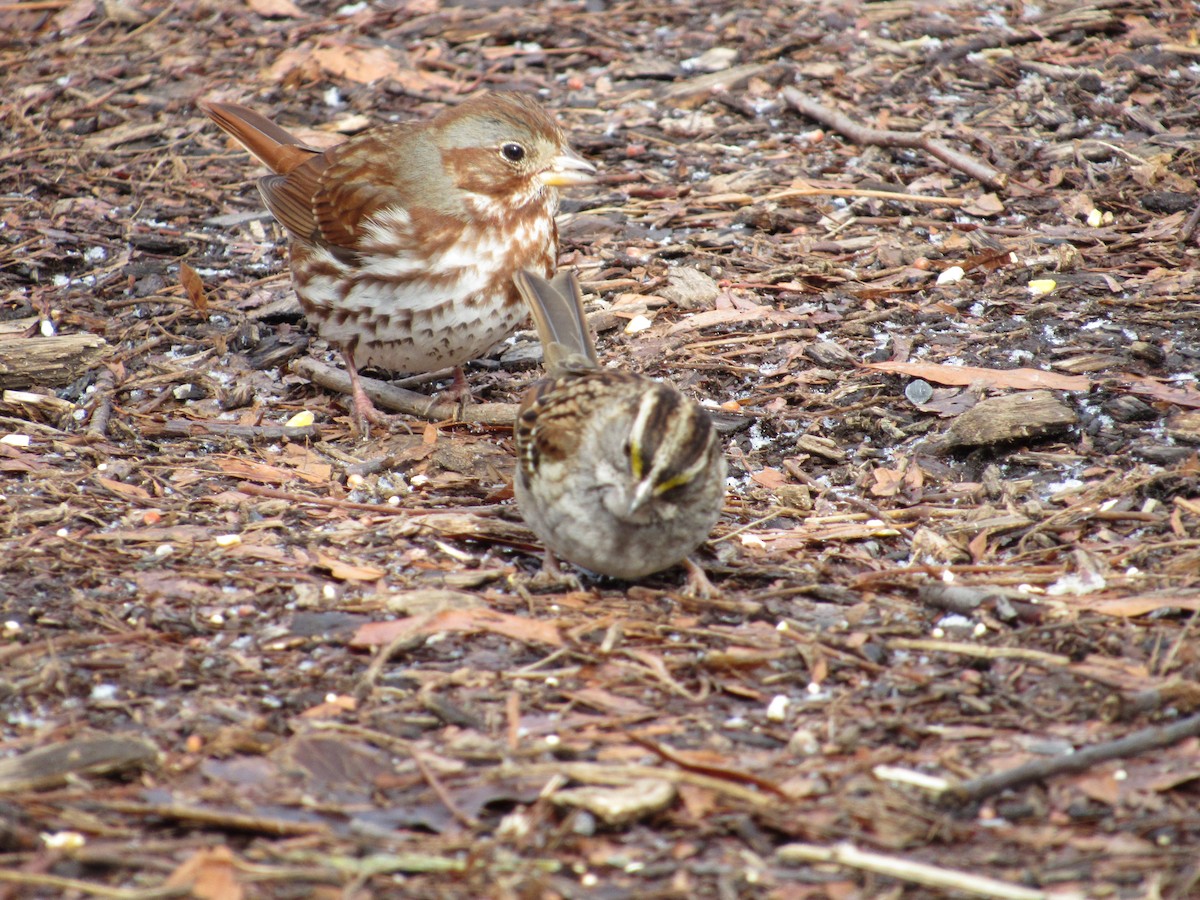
<point>1189,227</point>
<point>194,427</point>
<point>1040,769</point>
<point>219,819</point>
<point>443,795</point>
<point>422,406</point>
<point>98,423</point>
<point>66,885</point>
<point>712,771</point>
<point>862,134</point>
<point>979,651</point>
<point>328,502</point>
<point>916,872</point>
<point>898,196</point>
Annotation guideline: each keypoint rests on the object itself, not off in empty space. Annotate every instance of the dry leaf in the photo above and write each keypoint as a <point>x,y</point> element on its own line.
<point>769,478</point>
<point>1016,379</point>
<point>128,491</point>
<point>344,571</point>
<point>194,285</point>
<point>1131,607</point>
<point>277,9</point>
<point>251,470</point>
<point>462,620</point>
<point>211,874</point>
<point>364,65</point>
<point>986,205</point>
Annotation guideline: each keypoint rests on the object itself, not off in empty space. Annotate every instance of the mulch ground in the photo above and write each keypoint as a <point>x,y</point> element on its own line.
<point>931,265</point>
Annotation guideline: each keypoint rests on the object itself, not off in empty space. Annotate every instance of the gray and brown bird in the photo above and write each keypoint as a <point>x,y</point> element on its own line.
<point>616,472</point>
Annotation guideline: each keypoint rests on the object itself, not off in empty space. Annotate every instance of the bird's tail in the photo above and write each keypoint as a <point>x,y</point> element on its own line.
<point>277,149</point>
<point>557,308</point>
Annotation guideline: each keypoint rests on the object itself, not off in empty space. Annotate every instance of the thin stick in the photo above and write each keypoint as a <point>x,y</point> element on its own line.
<point>979,651</point>
<point>442,794</point>
<point>39,879</point>
<point>259,490</point>
<point>198,427</point>
<point>916,872</point>
<point>863,192</point>
<point>1040,769</point>
<point>1189,227</point>
<point>862,134</point>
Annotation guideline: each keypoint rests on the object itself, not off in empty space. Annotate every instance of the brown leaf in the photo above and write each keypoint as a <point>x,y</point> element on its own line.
<point>210,873</point>
<point>251,470</point>
<point>309,465</point>
<point>1150,387</point>
<point>468,621</point>
<point>293,63</point>
<point>1016,379</point>
<point>887,482</point>
<point>345,571</point>
<point>1140,605</point>
<point>128,491</point>
<point>769,478</point>
<point>364,65</point>
<point>600,699</point>
<point>331,708</point>
<point>73,14</point>
<point>277,9</point>
<point>194,285</point>
<point>986,205</point>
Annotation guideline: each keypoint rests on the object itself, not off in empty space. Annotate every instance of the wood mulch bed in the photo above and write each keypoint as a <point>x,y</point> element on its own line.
<point>933,267</point>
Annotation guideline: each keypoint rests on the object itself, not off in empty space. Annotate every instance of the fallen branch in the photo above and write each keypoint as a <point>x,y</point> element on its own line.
<point>862,134</point>
<point>421,406</point>
<point>1069,763</point>
<point>194,427</point>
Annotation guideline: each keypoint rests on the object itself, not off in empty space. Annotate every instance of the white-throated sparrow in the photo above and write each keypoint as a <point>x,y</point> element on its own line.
<point>616,472</point>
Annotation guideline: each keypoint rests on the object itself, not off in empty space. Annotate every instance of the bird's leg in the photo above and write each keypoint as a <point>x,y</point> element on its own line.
<point>459,389</point>
<point>552,579</point>
<point>697,584</point>
<point>365,413</point>
<point>458,392</point>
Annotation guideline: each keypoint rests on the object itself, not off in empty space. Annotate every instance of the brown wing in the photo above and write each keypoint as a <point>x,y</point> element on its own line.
<point>547,423</point>
<point>547,427</point>
<point>329,198</point>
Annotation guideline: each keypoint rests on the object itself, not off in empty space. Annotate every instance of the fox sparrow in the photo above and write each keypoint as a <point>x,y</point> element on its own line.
<point>404,239</point>
<point>616,472</point>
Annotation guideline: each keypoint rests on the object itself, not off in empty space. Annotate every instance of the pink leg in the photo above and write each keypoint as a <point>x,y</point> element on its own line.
<point>365,413</point>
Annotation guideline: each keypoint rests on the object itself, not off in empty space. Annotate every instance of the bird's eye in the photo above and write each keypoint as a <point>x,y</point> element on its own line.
<point>513,152</point>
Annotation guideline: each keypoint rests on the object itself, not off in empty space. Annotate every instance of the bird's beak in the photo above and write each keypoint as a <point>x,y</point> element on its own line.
<point>641,493</point>
<point>568,168</point>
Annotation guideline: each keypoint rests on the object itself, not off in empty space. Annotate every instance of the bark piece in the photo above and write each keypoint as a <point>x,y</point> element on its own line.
<point>49,767</point>
<point>1013,417</point>
<point>50,361</point>
<point>1185,426</point>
